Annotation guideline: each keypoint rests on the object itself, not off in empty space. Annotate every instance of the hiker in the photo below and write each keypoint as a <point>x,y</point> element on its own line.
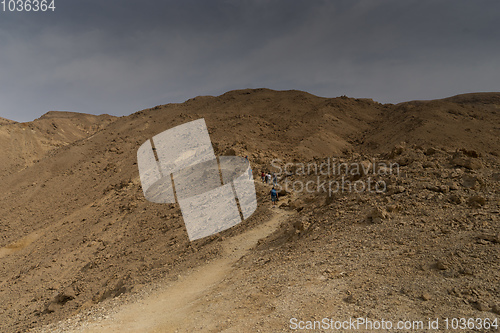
<point>275,179</point>
<point>274,196</point>
<point>263,177</point>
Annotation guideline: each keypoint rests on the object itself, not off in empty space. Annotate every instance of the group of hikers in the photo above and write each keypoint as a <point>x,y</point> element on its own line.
<point>267,178</point>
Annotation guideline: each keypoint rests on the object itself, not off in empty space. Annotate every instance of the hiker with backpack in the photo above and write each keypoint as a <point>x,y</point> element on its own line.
<point>274,196</point>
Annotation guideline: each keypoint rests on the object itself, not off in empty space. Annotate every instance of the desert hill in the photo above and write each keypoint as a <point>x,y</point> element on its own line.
<point>25,143</point>
<point>77,231</point>
<point>4,121</point>
<point>469,121</point>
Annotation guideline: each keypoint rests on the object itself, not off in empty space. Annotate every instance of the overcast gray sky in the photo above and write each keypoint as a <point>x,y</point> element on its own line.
<point>121,56</point>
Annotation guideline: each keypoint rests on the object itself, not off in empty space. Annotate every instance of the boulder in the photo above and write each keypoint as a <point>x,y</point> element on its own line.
<point>377,215</point>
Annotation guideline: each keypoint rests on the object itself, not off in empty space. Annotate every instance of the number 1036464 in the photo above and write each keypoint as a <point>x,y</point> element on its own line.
<point>27,5</point>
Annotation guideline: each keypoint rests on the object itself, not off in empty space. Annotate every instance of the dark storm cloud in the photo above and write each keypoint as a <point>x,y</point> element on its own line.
<point>122,56</point>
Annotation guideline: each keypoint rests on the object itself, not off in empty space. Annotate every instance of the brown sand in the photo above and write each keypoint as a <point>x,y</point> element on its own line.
<point>81,245</point>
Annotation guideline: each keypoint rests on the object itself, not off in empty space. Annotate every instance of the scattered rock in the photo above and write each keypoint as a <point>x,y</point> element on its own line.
<point>430,151</point>
<point>426,297</point>
<point>441,265</point>
<point>393,208</point>
<point>476,201</point>
<point>60,299</point>
<point>438,188</point>
<point>429,165</point>
<point>283,193</point>
<point>301,225</point>
<point>482,306</point>
<point>470,153</point>
<point>396,151</point>
<point>395,189</point>
<point>468,163</point>
<point>229,152</point>
<point>490,238</point>
<point>114,289</point>
<point>469,181</point>
<point>298,205</point>
<point>456,199</point>
<point>350,299</point>
<point>377,215</point>
<point>406,160</point>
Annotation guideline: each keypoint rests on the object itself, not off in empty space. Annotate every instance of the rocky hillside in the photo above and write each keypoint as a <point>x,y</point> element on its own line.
<point>77,231</point>
<point>24,144</point>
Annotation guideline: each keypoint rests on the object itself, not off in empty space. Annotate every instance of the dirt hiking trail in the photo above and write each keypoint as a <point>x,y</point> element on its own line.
<point>170,308</point>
